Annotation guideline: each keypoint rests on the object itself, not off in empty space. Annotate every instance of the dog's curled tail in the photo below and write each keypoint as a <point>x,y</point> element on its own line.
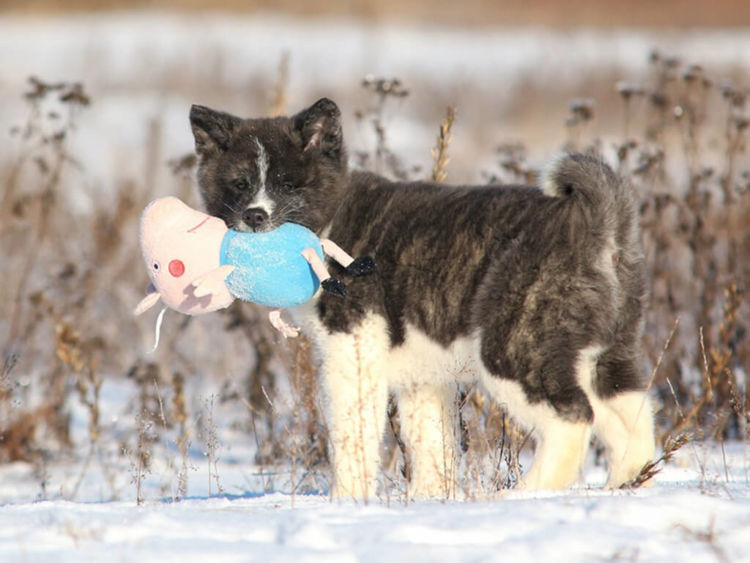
<point>599,197</point>
<point>593,187</point>
<point>581,177</point>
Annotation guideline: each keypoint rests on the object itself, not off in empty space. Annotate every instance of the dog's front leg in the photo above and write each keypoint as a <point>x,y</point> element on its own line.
<point>428,419</point>
<point>357,398</point>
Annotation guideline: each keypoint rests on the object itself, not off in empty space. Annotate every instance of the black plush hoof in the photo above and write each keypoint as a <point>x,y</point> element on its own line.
<point>362,266</point>
<point>334,286</point>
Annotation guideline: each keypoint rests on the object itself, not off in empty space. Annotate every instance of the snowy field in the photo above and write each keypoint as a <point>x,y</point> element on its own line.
<point>146,69</point>
<point>674,522</point>
<point>697,510</point>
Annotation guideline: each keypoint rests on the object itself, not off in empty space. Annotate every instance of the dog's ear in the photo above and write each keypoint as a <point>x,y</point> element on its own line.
<point>212,129</point>
<point>319,127</point>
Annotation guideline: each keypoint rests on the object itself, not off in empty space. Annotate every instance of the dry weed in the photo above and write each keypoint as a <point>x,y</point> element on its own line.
<point>682,146</point>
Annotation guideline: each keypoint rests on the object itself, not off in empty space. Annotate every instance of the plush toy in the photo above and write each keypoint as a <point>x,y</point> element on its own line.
<point>198,265</point>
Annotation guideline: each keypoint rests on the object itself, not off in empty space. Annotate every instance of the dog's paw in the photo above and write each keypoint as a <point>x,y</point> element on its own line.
<point>334,286</point>
<point>362,266</point>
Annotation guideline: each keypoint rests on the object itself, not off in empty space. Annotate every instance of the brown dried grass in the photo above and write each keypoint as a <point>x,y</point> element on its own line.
<point>67,323</point>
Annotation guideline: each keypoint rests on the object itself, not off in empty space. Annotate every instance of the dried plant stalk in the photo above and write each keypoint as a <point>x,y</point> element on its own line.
<point>179,413</point>
<point>648,471</point>
<point>279,98</point>
<point>440,152</point>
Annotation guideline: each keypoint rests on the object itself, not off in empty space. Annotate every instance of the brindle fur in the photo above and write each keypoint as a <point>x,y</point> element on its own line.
<point>538,275</point>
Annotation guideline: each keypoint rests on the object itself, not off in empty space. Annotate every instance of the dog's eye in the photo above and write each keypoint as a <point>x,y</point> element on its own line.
<point>240,184</point>
<point>287,186</point>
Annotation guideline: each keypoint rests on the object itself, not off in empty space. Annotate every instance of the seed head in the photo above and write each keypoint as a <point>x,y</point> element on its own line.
<point>582,108</point>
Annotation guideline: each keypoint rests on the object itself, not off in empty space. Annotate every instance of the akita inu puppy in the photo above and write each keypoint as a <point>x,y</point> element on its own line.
<point>537,293</point>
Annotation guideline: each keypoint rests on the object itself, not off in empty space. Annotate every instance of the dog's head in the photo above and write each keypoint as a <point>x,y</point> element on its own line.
<point>259,173</point>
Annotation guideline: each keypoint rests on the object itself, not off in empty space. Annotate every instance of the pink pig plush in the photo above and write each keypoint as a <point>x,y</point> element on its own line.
<point>198,265</point>
<point>179,245</point>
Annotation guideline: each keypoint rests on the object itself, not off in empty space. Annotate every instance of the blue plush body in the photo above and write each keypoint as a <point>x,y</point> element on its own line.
<point>269,267</point>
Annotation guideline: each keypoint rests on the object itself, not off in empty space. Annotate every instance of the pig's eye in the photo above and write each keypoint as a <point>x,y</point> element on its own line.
<point>156,266</point>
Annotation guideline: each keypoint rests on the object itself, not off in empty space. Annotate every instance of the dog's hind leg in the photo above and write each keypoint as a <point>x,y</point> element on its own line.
<point>356,399</point>
<point>428,418</point>
<point>560,419</point>
<point>561,448</point>
<point>625,426</point>
<point>623,418</point>
<point>561,444</point>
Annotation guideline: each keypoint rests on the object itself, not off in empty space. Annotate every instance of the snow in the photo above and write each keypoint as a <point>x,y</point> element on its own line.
<point>672,520</point>
<point>698,509</point>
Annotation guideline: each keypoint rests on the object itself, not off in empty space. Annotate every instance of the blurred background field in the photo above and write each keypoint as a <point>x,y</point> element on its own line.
<point>101,129</point>
<point>574,13</point>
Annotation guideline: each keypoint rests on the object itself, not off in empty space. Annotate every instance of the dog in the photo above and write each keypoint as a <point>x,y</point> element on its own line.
<point>536,293</point>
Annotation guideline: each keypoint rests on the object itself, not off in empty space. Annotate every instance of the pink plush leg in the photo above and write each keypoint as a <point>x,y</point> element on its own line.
<point>336,252</point>
<point>316,263</point>
<point>281,325</point>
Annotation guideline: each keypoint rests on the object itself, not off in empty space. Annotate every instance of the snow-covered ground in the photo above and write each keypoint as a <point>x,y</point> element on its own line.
<point>698,509</point>
<point>686,516</point>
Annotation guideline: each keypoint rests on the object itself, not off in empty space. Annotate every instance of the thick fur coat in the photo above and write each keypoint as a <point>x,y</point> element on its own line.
<point>537,293</point>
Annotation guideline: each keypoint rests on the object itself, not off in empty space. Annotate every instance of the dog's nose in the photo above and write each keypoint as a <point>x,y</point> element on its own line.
<point>254,217</point>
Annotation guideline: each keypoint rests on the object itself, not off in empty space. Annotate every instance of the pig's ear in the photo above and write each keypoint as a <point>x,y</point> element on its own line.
<point>151,299</point>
